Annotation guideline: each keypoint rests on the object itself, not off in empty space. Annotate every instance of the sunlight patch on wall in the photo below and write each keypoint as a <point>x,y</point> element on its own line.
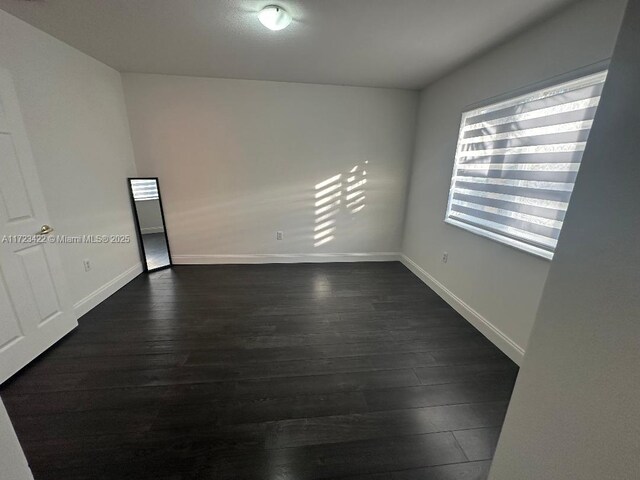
<point>356,184</point>
<point>336,194</point>
<point>328,195</point>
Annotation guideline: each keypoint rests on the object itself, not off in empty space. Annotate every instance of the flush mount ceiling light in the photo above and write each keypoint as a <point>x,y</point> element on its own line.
<point>274,17</point>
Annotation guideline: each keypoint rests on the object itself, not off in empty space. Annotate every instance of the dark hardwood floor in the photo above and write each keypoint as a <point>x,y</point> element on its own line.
<point>293,372</point>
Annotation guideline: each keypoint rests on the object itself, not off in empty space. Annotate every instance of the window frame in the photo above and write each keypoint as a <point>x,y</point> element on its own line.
<point>503,238</point>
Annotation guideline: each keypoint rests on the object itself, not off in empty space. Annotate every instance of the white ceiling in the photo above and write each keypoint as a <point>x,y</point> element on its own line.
<point>380,43</point>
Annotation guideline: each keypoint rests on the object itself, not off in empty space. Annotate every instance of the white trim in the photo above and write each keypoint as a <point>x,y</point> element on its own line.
<point>14,464</point>
<point>284,258</point>
<point>510,348</point>
<point>105,291</point>
<point>502,238</point>
<point>152,230</point>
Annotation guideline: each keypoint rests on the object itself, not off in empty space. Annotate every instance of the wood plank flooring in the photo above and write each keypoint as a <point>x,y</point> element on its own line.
<point>292,372</point>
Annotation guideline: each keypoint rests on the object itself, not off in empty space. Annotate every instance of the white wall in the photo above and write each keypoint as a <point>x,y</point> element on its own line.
<point>239,160</point>
<point>575,411</point>
<point>491,282</point>
<point>74,111</point>
<point>13,463</point>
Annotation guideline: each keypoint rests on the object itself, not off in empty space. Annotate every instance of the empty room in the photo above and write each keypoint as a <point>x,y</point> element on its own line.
<point>319,239</point>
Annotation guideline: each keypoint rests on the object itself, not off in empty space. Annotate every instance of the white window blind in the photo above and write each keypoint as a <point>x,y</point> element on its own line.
<point>144,189</point>
<point>517,161</point>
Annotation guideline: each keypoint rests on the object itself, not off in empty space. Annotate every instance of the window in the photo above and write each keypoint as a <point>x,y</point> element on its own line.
<point>144,189</point>
<point>517,161</point>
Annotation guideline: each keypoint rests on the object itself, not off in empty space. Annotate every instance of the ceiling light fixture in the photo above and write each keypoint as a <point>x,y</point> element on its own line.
<point>274,17</point>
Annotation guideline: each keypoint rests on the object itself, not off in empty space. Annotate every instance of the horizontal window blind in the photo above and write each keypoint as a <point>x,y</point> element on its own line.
<point>517,161</point>
<point>144,189</point>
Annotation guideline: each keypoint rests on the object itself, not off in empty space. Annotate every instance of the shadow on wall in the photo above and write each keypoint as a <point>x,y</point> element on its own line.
<point>335,194</point>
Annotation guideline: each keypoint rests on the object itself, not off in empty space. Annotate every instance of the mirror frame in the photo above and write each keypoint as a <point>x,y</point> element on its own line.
<point>139,232</point>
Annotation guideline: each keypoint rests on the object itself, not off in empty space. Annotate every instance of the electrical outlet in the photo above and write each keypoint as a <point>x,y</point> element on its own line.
<point>445,257</point>
<point>87,264</point>
<point>279,235</point>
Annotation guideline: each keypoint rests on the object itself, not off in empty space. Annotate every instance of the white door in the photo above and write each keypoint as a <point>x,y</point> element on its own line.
<point>34,308</point>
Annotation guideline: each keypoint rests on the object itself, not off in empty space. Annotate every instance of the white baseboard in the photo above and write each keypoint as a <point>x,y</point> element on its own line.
<point>510,348</point>
<point>284,258</point>
<point>152,230</point>
<point>105,291</point>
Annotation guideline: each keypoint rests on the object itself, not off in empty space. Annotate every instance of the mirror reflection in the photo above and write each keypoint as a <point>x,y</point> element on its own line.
<point>147,205</point>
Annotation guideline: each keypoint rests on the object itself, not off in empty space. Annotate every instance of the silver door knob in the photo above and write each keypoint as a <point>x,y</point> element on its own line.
<point>45,230</point>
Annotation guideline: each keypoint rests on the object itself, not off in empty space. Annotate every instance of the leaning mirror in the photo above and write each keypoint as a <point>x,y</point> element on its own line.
<point>149,215</point>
